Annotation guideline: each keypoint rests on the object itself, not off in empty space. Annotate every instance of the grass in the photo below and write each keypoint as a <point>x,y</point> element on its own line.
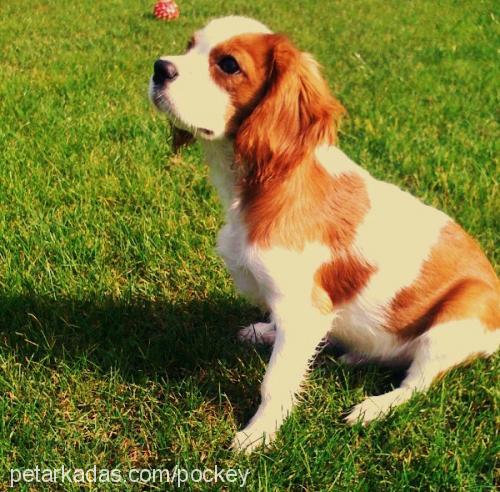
<point>117,319</point>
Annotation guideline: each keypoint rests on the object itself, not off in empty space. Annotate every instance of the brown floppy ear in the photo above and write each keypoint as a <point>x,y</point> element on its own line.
<point>296,114</point>
<point>180,138</point>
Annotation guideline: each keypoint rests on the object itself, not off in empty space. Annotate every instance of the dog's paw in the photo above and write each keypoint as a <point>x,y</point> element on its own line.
<point>363,413</point>
<point>249,439</point>
<point>264,333</point>
<point>374,407</point>
<point>353,359</point>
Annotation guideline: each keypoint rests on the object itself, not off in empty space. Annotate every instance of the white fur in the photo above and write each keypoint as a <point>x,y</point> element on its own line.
<point>294,348</point>
<point>282,280</point>
<point>337,163</point>
<point>396,237</point>
<point>220,155</point>
<point>286,284</point>
<point>232,245</point>
<point>202,111</point>
<point>219,30</point>
<point>193,99</point>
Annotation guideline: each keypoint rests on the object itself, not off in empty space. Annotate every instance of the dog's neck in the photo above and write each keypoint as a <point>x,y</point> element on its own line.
<point>220,157</point>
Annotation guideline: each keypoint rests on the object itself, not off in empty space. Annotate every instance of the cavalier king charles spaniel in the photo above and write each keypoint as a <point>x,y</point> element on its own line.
<point>328,250</point>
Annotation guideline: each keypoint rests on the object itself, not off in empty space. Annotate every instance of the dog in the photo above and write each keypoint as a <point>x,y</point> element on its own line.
<point>328,250</point>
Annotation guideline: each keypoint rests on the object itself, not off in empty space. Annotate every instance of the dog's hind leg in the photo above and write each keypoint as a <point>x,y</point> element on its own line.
<point>353,359</point>
<point>442,347</point>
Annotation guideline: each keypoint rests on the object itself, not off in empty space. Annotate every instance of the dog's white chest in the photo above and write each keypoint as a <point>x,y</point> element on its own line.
<point>242,260</point>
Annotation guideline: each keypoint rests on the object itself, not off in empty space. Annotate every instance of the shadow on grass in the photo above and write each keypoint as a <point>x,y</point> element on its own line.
<point>140,340</point>
<point>143,340</point>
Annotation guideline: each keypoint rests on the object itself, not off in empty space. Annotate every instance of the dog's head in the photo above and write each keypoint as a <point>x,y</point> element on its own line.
<point>239,81</point>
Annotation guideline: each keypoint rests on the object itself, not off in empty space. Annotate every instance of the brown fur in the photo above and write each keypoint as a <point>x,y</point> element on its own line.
<point>295,114</point>
<point>343,278</point>
<point>308,205</point>
<point>253,53</point>
<point>282,111</point>
<point>456,282</point>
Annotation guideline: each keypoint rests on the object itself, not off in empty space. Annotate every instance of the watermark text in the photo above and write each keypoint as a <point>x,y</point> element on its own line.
<point>176,476</point>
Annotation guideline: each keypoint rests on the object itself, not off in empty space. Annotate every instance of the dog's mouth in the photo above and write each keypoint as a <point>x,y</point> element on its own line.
<point>163,104</point>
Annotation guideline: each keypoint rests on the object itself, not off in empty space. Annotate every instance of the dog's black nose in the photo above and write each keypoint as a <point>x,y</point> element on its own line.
<point>164,71</point>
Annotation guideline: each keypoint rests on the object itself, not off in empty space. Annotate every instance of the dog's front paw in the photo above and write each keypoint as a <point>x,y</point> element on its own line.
<point>258,333</point>
<point>248,439</point>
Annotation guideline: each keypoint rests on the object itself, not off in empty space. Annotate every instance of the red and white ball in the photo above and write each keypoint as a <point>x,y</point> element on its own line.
<point>166,10</point>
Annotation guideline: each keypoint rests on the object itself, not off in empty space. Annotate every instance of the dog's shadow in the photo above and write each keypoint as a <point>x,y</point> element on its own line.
<point>139,339</point>
<point>143,339</point>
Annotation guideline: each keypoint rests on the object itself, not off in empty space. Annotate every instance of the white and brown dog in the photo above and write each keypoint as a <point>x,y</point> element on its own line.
<point>326,248</point>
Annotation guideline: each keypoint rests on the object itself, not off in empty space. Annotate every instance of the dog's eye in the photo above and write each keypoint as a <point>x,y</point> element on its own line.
<point>228,65</point>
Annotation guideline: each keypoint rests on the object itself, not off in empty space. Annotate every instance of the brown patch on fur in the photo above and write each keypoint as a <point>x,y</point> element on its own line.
<point>456,282</point>
<point>282,110</point>
<point>309,205</point>
<point>343,278</point>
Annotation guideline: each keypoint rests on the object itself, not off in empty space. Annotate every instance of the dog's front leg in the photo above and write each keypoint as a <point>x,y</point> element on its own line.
<point>295,347</point>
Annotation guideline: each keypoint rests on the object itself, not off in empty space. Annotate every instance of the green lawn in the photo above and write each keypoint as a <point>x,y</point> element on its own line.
<point>118,320</point>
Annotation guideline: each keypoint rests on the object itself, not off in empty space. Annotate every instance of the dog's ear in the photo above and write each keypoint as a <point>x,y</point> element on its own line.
<point>296,114</point>
<point>180,138</point>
